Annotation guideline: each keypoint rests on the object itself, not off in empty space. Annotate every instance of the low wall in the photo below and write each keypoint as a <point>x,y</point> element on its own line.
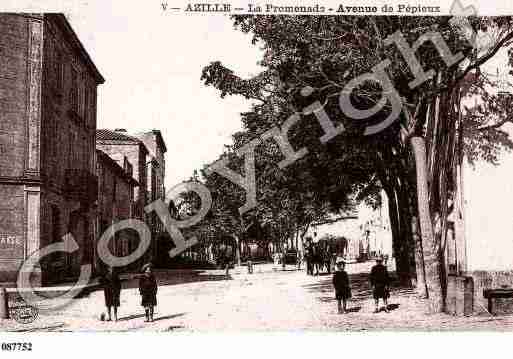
<point>491,280</point>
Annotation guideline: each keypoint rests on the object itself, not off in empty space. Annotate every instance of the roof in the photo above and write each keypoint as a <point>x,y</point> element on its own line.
<point>160,140</point>
<point>103,157</point>
<point>61,21</point>
<point>158,135</point>
<point>108,135</point>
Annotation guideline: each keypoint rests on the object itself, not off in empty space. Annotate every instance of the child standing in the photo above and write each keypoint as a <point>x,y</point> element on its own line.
<point>342,286</point>
<point>380,283</point>
<point>111,289</point>
<point>148,291</point>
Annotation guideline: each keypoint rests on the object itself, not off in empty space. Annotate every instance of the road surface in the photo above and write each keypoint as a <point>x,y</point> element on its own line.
<point>208,301</point>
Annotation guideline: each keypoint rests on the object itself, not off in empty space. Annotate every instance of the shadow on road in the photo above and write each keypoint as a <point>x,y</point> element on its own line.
<point>176,278</point>
<point>41,329</point>
<point>174,327</point>
<point>130,317</point>
<point>393,306</point>
<point>354,309</point>
<point>137,316</point>
<point>169,317</point>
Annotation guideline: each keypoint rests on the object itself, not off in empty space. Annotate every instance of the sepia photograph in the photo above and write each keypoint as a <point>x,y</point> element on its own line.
<point>198,168</point>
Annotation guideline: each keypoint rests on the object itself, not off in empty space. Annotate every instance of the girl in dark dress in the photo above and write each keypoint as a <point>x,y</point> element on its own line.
<point>148,291</point>
<point>342,286</point>
<point>111,290</point>
<point>380,282</point>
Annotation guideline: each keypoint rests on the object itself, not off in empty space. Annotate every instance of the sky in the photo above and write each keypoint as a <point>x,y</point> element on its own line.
<point>152,64</point>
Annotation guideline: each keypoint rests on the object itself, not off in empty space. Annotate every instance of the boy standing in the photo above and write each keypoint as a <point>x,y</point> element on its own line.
<point>148,291</point>
<point>380,282</point>
<point>342,286</point>
<point>111,289</point>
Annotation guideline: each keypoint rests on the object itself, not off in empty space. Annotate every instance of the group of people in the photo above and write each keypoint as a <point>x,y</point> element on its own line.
<point>379,280</point>
<point>111,282</point>
<point>112,291</point>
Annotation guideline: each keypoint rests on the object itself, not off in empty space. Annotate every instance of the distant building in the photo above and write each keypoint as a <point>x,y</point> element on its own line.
<point>368,234</point>
<point>118,145</point>
<point>156,146</point>
<point>115,203</point>
<point>48,184</point>
<point>156,176</point>
<point>376,231</point>
<point>145,151</point>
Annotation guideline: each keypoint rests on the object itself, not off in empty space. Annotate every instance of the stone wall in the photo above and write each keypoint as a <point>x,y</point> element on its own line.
<point>115,203</point>
<point>12,231</point>
<point>19,105</point>
<point>68,130</point>
<point>492,280</point>
<point>13,95</point>
<point>137,157</point>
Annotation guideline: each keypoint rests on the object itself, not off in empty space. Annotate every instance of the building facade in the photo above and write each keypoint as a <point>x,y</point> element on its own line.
<point>48,185</point>
<point>118,145</point>
<point>156,169</point>
<point>116,190</point>
<point>368,234</point>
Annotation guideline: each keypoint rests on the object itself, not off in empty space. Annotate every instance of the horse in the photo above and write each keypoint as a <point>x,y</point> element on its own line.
<point>321,257</point>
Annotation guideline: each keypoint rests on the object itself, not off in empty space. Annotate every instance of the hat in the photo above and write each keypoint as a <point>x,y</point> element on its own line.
<point>146,266</point>
<point>340,261</point>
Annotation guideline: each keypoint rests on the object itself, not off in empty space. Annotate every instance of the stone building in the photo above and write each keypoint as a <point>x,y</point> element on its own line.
<point>48,186</point>
<point>155,184</point>
<point>118,145</point>
<point>368,234</point>
<point>116,187</point>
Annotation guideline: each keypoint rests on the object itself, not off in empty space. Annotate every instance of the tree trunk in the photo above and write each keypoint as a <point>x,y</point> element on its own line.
<point>394,178</point>
<point>405,216</point>
<point>431,257</point>
<point>237,250</point>
<point>401,254</point>
<point>459,203</point>
<point>419,259</point>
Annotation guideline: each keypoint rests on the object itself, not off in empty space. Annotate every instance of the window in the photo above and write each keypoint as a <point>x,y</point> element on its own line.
<point>72,154</point>
<point>56,220</point>
<point>58,69</point>
<point>81,98</point>
<point>55,135</point>
<point>73,92</point>
<point>86,106</point>
<point>92,110</point>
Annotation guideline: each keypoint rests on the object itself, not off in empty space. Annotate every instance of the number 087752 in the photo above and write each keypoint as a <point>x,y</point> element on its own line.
<point>17,347</point>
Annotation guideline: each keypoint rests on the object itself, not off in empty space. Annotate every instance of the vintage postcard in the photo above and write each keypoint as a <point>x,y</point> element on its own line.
<point>283,166</point>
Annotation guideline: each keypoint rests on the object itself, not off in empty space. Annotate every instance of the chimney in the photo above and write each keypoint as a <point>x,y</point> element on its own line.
<point>120,130</point>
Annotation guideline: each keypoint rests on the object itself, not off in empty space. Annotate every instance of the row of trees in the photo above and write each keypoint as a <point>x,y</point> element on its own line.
<point>416,160</point>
